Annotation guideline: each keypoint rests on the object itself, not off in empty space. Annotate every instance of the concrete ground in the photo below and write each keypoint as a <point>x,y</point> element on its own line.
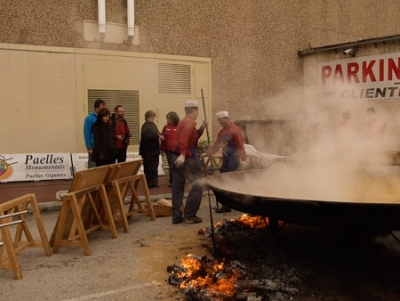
<point>133,266</point>
<point>130,267</point>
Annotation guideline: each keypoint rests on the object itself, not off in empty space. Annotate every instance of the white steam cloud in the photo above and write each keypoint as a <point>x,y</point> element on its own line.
<point>338,153</point>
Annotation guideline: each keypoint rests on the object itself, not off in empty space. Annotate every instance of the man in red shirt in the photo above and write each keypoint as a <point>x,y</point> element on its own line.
<point>186,165</point>
<point>230,141</point>
<point>121,133</point>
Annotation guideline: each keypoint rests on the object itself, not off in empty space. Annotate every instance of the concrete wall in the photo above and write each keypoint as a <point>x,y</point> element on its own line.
<point>45,92</point>
<point>256,73</point>
<point>38,102</point>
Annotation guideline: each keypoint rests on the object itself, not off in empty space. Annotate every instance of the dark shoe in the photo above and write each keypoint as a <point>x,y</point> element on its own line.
<point>177,221</point>
<point>223,209</point>
<point>194,219</point>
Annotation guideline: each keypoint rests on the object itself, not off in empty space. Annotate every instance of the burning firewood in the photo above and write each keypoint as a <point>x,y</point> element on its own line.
<point>204,279</point>
<point>201,276</point>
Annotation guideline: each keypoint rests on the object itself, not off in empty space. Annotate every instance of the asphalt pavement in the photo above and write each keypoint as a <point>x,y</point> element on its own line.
<point>132,266</point>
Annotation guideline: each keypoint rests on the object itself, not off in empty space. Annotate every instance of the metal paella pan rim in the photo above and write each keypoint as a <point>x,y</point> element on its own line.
<point>364,184</point>
<point>289,193</point>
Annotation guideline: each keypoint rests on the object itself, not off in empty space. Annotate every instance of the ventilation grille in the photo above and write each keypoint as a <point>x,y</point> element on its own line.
<point>174,78</point>
<point>129,99</point>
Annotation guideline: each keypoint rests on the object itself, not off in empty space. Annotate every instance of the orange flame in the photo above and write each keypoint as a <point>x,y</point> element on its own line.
<point>211,275</point>
<point>254,222</point>
<point>193,276</point>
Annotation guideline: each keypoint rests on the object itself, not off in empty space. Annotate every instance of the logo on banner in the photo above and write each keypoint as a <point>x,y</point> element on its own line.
<point>6,169</point>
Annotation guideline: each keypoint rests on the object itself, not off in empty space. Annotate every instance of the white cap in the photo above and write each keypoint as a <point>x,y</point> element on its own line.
<point>222,114</point>
<point>191,104</point>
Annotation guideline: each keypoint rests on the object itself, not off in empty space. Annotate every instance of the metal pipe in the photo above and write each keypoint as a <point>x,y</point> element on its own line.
<point>12,223</point>
<point>14,214</point>
<point>131,18</point>
<point>205,116</point>
<point>208,136</point>
<point>101,10</point>
<point>208,190</point>
<point>348,45</point>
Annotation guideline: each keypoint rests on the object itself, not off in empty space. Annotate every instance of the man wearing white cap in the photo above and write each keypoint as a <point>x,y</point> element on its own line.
<point>230,140</point>
<point>187,166</point>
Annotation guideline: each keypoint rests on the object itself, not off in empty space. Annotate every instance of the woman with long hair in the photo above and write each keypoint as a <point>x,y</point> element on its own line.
<point>168,145</point>
<point>104,149</point>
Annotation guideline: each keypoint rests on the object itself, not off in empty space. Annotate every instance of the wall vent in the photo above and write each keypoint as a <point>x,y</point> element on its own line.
<point>129,99</point>
<point>174,78</point>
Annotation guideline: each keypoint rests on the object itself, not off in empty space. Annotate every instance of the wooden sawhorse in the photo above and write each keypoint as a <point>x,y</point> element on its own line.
<point>13,212</point>
<point>125,178</point>
<point>121,187</point>
<point>82,213</point>
<point>212,163</point>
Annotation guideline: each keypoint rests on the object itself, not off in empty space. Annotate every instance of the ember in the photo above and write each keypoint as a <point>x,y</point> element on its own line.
<point>254,222</point>
<point>245,221</point>
<point>202,278</point>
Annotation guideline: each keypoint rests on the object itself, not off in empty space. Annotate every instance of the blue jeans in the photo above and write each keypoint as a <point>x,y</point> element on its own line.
<point>169,155</point>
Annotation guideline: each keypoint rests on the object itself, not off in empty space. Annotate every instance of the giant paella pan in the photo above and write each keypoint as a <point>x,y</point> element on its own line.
<point>363,197</point>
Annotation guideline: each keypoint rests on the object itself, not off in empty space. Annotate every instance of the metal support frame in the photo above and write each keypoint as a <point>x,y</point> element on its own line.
<point>13,222</point>
<point>348,45</point>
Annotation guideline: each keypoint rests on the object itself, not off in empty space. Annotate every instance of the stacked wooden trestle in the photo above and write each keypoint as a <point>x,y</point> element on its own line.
<point>95,201</point>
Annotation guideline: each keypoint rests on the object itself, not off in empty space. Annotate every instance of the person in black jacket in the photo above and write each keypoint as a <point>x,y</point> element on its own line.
<point>149,149</point>
<point>104,149</point>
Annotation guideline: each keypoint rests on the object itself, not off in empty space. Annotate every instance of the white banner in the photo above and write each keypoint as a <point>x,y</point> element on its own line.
<point>135,156</point>
<point>362,78</point>
<point>40,167</point>
<point>35,167</point>
<point>80,161</point>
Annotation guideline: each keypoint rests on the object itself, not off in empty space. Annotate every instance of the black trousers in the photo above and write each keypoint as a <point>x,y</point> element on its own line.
<point>150,166</point>
<point>121,155</point>
<point>105,162</point>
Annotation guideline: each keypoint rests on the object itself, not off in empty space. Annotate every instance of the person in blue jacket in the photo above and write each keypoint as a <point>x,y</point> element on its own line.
<point>87,129</point>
